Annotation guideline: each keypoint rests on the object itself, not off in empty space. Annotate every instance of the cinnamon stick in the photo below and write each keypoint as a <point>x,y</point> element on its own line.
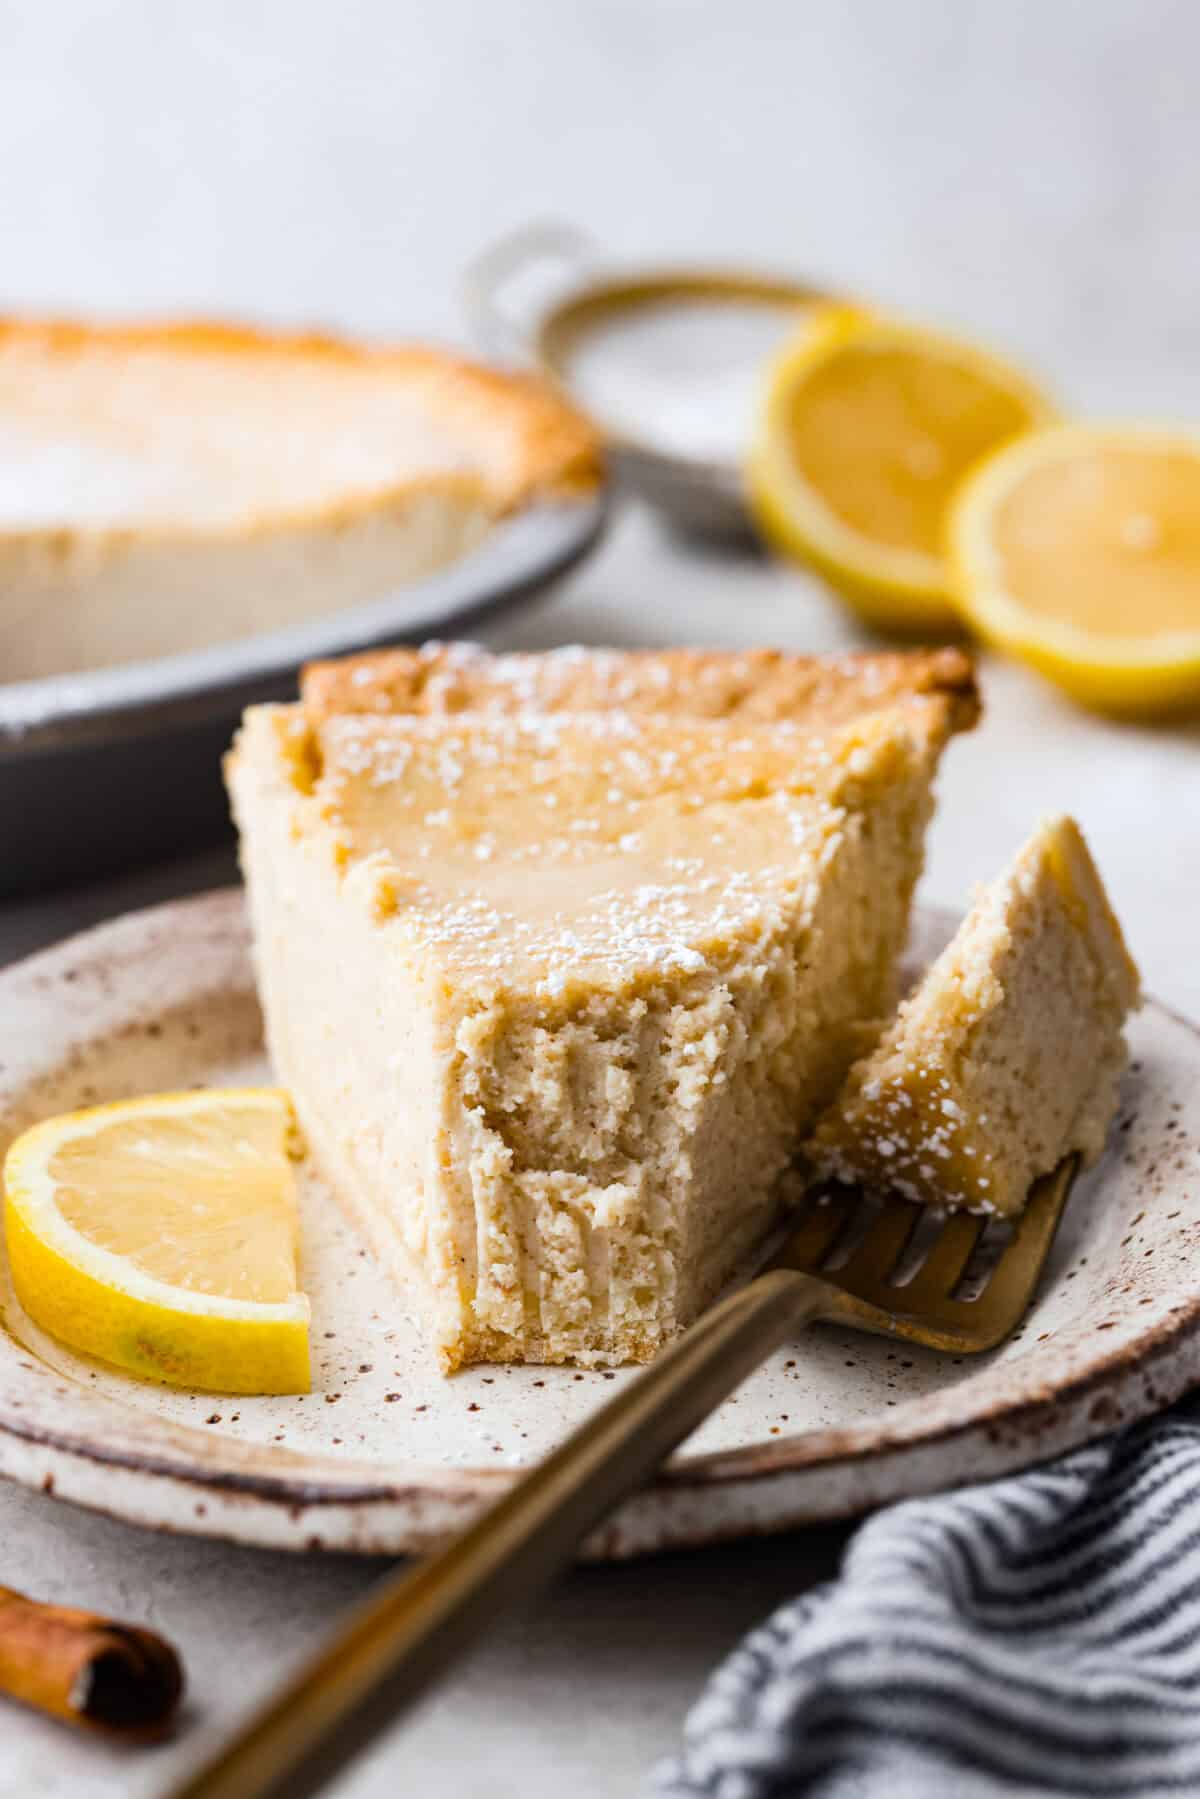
<point>89,1670</point>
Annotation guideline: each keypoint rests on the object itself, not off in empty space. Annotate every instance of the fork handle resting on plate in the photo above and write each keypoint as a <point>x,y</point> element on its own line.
<point>403,1636</point>
<point>413,1626</point>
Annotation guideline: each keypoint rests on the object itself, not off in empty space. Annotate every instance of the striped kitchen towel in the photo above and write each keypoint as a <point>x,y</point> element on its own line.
<point>1038,1635</point>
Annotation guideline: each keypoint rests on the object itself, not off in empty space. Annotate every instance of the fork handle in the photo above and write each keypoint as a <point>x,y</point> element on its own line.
<point>416,1622</point>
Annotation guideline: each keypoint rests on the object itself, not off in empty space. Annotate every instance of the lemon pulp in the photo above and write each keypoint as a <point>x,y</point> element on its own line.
<point>160,1235</point>
<point>867,429</point>
<point>1078,549</point>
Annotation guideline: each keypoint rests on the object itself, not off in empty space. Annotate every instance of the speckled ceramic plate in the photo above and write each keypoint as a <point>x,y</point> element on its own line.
<point>385,1455</point>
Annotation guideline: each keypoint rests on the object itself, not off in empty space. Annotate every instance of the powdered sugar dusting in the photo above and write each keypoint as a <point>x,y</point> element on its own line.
<point>559,845</point>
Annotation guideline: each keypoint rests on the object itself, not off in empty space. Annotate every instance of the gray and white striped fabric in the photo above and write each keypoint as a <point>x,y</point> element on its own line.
<point>1038,1635</point>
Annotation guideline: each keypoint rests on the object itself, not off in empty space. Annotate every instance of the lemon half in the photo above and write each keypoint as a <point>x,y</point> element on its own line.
<point>160,1235</point>
<point>868,427</point>
<point>1078,549</point>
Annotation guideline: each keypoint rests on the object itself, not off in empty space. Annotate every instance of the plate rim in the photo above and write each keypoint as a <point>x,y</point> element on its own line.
<point>1126,1383</point>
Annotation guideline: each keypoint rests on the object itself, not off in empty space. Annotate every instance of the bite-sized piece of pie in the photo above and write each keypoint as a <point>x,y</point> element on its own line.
<point>1008,1055</point>
<point>169,486</point>
<point>557,994</point>
<point>749,684</point>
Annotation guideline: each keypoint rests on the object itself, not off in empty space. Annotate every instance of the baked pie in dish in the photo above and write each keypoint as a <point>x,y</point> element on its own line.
<point>168,487</point>
<point>562,956</point>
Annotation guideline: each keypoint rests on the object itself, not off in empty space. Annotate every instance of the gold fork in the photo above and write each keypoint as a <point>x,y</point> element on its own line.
<point>405,1634</point>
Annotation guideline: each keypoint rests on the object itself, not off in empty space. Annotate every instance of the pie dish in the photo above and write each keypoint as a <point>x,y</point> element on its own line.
<point>561,956</point>
<point>1009,1054</point>
<point>170,487</point>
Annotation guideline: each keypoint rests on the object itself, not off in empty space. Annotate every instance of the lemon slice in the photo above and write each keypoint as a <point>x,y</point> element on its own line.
<point>868,427</point>
<point>160,1235</point>
<point>1079,550</point>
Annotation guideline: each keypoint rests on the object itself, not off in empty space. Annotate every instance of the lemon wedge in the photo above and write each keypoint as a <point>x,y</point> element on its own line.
<point>1078,549</point>
<point>867,428</point>
<point>160,1235</point>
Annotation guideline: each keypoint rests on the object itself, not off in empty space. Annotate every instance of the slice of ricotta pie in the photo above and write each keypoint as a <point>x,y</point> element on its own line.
<point>557,992</point>
<point>1008,1055</point>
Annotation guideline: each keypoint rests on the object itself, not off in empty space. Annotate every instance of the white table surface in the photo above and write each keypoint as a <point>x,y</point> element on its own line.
<point>1029,171</point>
